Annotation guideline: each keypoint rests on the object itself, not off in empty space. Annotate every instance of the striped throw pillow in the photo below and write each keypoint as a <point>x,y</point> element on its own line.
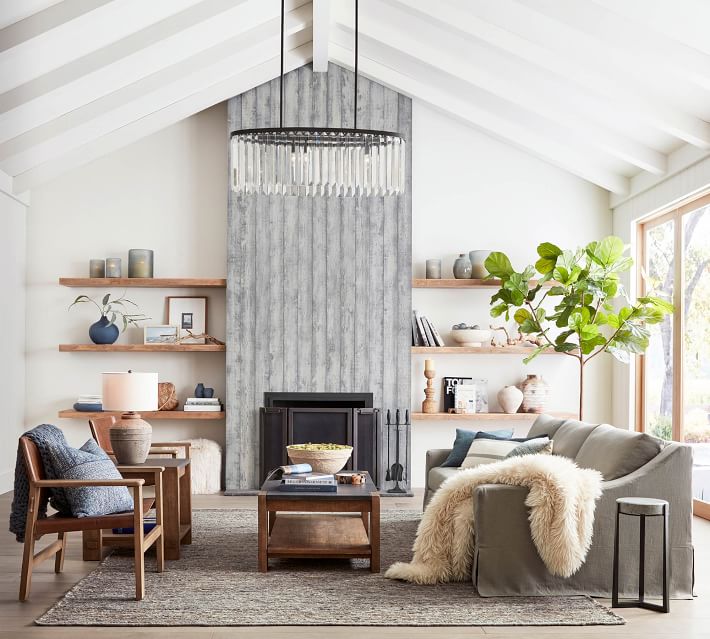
<point>487,451</point>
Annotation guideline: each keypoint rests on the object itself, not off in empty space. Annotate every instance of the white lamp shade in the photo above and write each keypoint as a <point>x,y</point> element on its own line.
<point>129,391</point>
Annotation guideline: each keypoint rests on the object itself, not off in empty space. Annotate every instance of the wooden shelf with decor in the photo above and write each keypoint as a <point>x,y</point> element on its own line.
<point>142,348</point>
<point>144,282</point>
<point>477,350</point>
<point>483,417</point>
<point>148,415</point>
<point>472,283</point>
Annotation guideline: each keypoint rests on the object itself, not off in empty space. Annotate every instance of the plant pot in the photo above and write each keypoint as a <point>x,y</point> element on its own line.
<point>510,398</point>
<point>103,331</point>
<point>130,439</point>
<point>535,394</point>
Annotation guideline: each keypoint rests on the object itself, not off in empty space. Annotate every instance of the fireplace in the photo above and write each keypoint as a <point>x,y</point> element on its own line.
<point>336,418</point>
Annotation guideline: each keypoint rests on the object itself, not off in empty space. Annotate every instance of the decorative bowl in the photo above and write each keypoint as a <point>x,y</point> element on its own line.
<point>322,460</point>
<point>476,337</point>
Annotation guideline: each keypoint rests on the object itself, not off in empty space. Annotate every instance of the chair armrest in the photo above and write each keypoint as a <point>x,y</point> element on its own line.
<point>79,483</point>
<point>127,470</point>
<point>435,457</point>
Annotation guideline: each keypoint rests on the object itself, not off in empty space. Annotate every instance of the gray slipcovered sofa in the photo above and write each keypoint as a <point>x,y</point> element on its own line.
<point>633,465</point>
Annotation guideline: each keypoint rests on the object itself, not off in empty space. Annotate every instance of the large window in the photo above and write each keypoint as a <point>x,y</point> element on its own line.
<point>674,374</point>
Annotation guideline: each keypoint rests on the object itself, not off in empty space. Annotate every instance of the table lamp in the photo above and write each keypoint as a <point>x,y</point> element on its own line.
<point>129,393</point>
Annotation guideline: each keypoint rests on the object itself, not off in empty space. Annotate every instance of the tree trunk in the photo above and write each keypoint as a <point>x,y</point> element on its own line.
<point>581,388</point>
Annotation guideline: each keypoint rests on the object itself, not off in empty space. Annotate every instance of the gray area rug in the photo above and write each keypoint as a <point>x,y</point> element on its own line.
<point>216,583</point>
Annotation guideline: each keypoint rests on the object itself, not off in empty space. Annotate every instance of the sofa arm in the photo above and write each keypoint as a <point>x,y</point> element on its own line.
<point>435,457</point>
<point>500,514</point>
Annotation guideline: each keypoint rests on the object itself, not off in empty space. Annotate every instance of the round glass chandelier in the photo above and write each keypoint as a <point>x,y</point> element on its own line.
<point>317,161</point>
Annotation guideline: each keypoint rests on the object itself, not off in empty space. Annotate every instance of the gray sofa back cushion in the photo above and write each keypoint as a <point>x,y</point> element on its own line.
<point>570,437</point>
<point>615,452</point>
<point>545,425</point>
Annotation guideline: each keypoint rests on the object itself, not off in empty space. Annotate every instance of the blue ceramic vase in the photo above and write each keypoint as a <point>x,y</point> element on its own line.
<point>103,332</point>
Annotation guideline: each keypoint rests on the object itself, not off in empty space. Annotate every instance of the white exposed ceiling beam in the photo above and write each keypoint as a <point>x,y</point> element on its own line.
<point>183,36</point>
<point>508,124</point>
<point>628,37</point>
<point>510,78</point>
<point>321,34</point>
<point>239,82</point>
<point>80,36</point>
<point>539,40</point>
<point>152,93</point>
<point>12,12</point>
<point>8,188</point>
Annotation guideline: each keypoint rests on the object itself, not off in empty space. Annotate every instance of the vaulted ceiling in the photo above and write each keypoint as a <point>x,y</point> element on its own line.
<point>601,88</point>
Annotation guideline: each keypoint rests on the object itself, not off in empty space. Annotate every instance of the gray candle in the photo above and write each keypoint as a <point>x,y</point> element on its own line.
<point>113,267</point>
<point>140,263</point>
<point>97,268</point>
<point>433,269</point>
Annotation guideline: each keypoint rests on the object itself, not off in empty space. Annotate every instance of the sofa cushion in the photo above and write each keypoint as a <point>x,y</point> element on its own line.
<point>486,449</point>
<point>570,437</point>
<point>539,446</point>
<point>545,425</point>
<point>439,475</point>
<point>615,452</point>
<point>463,442</point>
<point>90,462</point>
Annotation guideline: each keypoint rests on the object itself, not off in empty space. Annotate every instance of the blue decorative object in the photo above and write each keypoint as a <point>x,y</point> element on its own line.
<point>83,407</point>
<point>200,390</point>
<point>463,442</point>
<point>208,393</point>
<point>103,331</point>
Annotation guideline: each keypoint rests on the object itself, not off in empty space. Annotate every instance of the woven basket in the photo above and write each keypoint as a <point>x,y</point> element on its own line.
<point>167,397</point>
<point>321,461</point>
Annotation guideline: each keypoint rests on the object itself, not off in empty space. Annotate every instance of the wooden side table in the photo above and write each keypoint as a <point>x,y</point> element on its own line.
<point>317,531</point>
<point>177,508</point>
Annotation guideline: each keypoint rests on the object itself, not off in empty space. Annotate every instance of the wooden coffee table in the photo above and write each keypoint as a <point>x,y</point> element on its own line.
<point>320,525</point>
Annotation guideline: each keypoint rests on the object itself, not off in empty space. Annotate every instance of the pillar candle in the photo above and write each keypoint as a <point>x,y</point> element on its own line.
<point>97,268</point>
<point>428,364</point>
<point>140,263</point>
<point>113,267</point>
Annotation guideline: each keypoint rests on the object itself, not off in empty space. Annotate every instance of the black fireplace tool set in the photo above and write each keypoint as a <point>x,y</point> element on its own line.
<point>396,472</point>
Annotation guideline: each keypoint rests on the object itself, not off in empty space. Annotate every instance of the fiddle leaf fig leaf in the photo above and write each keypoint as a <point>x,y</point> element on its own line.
<point>498,310</point>
<point>521,315</point>
<point>549,250</point>
<point>498,265</point>
<point>535,353</point>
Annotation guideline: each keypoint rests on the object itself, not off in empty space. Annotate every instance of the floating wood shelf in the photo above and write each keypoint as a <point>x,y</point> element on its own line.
<point>148,415</point>
<point>440,417</point>
<point>147,282</point>
<point>472,283</point>
<point>480,350</point>
<point>142,348</point>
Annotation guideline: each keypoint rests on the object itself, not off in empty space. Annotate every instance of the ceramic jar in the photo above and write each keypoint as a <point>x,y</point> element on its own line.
<point>130,439</point>
<point>103,332</point>
<point>510,398</point>
<point>433,269</point>
<point>478,267</point>
<point>535,394</point>
<point>462,267</point>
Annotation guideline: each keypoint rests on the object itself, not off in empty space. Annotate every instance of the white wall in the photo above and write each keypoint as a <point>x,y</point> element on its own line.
<point>166,192</point>
<point>12,328</point>
<point>471,191</point>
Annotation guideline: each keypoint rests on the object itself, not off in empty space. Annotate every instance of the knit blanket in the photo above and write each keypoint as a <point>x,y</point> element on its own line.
<point>43,436</point>
<point>562,498</point>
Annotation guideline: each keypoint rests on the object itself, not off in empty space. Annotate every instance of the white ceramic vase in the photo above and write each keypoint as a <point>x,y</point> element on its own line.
<point>510,398</point>
<point>535,393</point>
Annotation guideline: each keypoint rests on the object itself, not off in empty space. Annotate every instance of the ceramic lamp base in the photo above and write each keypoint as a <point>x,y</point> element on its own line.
<point>130,439</point>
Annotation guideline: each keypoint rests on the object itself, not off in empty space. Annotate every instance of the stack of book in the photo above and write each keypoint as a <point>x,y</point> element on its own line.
<point>203,404</point>
<point>309,483</point>
<point>424,333</point>
<point>88,403</point>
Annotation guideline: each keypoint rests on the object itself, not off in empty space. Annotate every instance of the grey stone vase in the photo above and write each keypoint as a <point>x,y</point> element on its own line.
<point>462,267</point>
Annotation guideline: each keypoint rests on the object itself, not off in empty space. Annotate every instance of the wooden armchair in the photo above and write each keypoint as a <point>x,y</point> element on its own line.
<point>37,528</point>
<point>100,432</point>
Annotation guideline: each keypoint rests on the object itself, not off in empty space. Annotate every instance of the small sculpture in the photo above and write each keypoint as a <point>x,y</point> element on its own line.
<point>520,340</point>
<point>429,404</point>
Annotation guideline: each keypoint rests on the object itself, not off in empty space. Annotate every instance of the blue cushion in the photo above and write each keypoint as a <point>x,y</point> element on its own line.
<point>485,435</point>
<point>463,442</point>
<point>90,462</point>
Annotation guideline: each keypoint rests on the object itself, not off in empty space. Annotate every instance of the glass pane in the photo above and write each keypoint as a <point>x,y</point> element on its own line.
<point>658,371</point>
<point>696,356</point>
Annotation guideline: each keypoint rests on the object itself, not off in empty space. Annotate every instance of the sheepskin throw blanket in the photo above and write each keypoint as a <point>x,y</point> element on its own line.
<point>561,500</point>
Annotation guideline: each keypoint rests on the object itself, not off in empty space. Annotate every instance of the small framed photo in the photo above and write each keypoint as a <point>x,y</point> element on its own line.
<point>189,315</point>
<point>157,335</point>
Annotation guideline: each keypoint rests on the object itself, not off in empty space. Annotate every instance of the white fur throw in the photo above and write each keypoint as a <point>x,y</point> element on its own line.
<point>205,467</point>
<point>561,500</point>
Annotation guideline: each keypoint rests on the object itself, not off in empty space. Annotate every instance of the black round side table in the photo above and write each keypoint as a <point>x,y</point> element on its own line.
<point>642,507</point>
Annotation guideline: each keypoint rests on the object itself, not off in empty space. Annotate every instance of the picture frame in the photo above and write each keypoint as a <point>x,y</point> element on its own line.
<point>161,335</point>
<point>188,313</point>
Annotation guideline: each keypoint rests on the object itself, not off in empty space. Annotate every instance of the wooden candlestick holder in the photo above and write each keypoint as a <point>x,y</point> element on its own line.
<point>429,404</point>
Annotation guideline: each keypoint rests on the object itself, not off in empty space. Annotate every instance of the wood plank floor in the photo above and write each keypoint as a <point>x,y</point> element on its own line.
<point>687,618</point>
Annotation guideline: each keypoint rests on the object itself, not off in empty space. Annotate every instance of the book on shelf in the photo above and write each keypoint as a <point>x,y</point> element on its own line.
<point>202,400</point>
<point>207,408</point>
<point>308,487</point>
<point>420,328</point>
<point>310,479</point>
<point>416,340</point>
<point>424,332</point>
<point>437,337</point>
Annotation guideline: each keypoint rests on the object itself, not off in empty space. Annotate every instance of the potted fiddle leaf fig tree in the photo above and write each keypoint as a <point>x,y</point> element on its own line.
<point>574,303</point>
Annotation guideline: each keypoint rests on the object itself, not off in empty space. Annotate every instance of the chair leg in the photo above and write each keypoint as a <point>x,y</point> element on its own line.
<point>27,564</point>
<point>159,545</point>
<point>59,557</point>
<point>138,550</point>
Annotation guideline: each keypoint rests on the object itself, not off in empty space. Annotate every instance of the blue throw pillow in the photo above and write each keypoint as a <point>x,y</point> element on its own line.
<point>484,435</point>
<point>90,462</point>
<point>463,442</point>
